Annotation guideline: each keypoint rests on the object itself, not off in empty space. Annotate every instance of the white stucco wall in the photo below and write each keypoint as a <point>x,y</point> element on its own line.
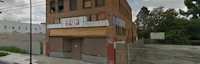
<point>36,28</point>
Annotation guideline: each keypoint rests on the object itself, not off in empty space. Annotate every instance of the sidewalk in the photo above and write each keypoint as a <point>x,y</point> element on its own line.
<point>38,59</point>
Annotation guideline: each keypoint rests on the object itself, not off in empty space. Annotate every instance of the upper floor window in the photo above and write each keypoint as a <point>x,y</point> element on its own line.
<point>60,5</point>
<point>13,27</point>
<point>73,5</point>
<point>52,6</point>
<point>26,28</point>
<point>56,21</point>
<point>100,3</point>
<point>87,3</point>
<point>19,28</point>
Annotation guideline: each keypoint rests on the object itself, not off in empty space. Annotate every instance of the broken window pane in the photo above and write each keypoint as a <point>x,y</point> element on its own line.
<point>52,6</point>
<point>60,5</point>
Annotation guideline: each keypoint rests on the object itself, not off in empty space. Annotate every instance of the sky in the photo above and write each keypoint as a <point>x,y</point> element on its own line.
<point>21,14</point>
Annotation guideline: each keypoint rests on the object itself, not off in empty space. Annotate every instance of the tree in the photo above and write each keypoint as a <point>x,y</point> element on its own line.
<point>193,29</point>
<point>142,21</point>
<point>193,8</point>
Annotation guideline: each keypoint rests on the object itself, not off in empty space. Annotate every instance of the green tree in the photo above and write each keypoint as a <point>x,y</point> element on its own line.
<point>194,29</point>
<point>193,8</point>
<point>142,22</point>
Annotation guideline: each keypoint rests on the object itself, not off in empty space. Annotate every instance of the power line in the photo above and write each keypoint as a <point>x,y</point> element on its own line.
<point>21,5</point>
<point>22,8</point>
<point>27,7</point>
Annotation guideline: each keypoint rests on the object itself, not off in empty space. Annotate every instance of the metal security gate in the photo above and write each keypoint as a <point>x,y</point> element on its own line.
<point>121,53</point>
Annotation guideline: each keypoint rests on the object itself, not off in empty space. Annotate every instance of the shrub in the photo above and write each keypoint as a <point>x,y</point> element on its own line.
<point>3,54</point>
<point>12,49</point>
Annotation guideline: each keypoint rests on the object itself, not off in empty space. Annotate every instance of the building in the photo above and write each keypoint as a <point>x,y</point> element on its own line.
<point>83,29</point>
<point>19,27</point>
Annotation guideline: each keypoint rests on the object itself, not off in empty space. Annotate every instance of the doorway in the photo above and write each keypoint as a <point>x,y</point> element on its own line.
<point>76,49</point>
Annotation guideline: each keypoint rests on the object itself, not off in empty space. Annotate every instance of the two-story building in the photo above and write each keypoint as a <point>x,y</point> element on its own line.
<point>82,29</point>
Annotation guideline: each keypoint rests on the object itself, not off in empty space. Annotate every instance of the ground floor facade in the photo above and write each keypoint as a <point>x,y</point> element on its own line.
<point>90,49</point>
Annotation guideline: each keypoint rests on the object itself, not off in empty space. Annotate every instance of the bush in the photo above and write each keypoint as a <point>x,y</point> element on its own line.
<point>3,54</point>
<point>12,49</point>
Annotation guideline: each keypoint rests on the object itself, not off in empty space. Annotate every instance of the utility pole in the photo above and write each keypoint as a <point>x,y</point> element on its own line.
<point>30,32</point>
<point>1,2</point>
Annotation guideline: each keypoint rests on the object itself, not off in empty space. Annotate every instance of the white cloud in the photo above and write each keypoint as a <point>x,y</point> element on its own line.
<point>138,4</point>
<point>22,13</point>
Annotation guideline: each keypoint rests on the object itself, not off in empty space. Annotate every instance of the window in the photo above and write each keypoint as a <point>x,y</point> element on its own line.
<point>73,5</point>
<point>60,5</point>
<point>87,3</point>
<point>52,6</point>
<point>101,16</point>
<point>13,27</point>
<point>35,28</point>
<point>93,17</point>
<point>56,21</point>
<point>123,31</point>
<point>99,3</point>
<point>4,27</point>
<point>88,17</point>
<point>119,6</point>
<point>19,28</point>
<point>26,28</point>
<point>118,31</point>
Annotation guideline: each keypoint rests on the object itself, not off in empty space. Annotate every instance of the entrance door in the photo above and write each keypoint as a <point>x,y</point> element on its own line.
<point>76,49</point>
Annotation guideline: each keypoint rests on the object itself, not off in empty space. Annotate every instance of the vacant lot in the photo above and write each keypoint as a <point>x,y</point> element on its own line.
<point>167,54</point>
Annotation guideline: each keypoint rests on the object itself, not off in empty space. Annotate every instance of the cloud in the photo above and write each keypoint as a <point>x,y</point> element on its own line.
<point>22,13</point>
<point>136,5</point>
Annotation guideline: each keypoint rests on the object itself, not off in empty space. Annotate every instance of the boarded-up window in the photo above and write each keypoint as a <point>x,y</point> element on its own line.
<point>60,5</point>
<point>101,16</point>
<point>73,5</point>
<point>100,3</point>
<point>52,6</point>
<point>95,46</point>
<point>87,3</point>
<point>56,21</point>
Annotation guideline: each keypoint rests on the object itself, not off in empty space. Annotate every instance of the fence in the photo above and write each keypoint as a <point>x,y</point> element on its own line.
<point>22,41</point>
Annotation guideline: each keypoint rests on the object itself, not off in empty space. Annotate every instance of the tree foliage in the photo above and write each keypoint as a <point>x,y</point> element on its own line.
<point>193,8</point>
<point>176,29</point>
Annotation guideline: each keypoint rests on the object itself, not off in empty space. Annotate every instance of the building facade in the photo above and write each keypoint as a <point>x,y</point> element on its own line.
<point>83,29</point>
<point>19,27</point>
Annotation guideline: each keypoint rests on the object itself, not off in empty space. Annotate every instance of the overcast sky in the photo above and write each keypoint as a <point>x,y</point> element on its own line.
<point>22,13</point>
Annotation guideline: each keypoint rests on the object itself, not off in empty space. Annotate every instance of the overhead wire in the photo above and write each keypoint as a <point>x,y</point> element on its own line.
<point>21,5</point>
<point>25,7</point>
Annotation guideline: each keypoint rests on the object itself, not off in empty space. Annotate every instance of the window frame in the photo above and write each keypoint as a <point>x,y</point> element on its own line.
<point>84,1</point>
<point>52,5</point>
<point>96,5</point>
<point>60,5</point>
<point>72,4</point>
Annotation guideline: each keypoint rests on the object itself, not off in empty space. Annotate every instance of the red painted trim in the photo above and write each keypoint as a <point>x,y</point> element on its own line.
<point>47,48</point>
<point>110,52</point>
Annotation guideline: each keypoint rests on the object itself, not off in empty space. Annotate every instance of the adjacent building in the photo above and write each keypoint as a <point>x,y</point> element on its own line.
<point>8,27</point>
<point>83,29</point>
